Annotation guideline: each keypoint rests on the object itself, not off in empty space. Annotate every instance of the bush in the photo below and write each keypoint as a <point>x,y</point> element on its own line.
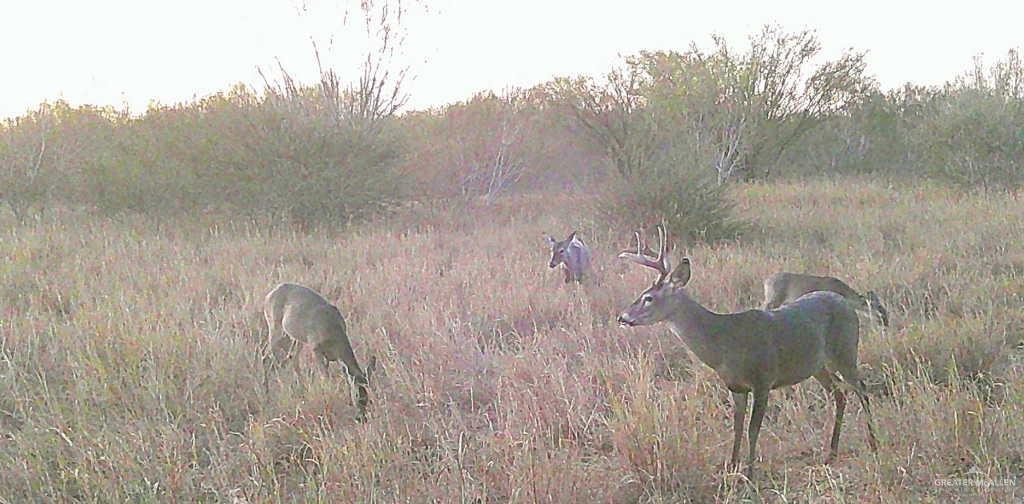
<point>44,154</point>
<point>870,138</point>
<point>290,154</point>
<point>973,134</point>
<point>670,189</point>
<point>975,139</point>
<point>968,132</point>
<point>750,106</point>
<point>285,154</point>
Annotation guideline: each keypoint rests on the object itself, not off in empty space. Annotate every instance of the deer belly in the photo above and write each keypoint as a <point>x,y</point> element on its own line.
<point>798,369</point>
<point>735,381</point>
<point>331,350</point>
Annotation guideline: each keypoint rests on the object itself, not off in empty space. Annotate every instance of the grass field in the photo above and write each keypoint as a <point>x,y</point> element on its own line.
<point>129,369</point>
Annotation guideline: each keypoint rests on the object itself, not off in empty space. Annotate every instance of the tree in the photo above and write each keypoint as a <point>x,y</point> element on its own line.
<point>485,143</point>
<point>613,112</point>
<point>749,108</point>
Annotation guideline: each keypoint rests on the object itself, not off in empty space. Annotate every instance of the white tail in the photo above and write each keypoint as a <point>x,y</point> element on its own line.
<point>784,287</point>
<point>572,254</point>
<point>756,351</point>
<point>300,314</point>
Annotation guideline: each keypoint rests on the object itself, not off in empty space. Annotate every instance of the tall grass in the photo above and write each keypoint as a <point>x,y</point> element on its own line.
<point>128,364</point>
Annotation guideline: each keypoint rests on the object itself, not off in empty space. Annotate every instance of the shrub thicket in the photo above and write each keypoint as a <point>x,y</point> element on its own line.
<point>672,120</point>
<point>974,135</point>
<point>284,153</point>
<point>670,190</point>
<point>969,132</point>
<point>495,144</point>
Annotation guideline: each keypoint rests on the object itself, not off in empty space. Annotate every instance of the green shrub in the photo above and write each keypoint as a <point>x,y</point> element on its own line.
<point>672,190</point>
<point>45,154</point>
<point>291,156</point>
<point>280,154</point>
<point>975,138</point>
<point>871,138</point>
<point>969,132</point>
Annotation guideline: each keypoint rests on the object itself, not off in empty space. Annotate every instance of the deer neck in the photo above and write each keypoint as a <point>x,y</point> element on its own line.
<point>698,327</point>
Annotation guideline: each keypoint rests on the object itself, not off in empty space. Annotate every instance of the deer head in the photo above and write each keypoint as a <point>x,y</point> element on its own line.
<point>874,303</point>
<point>652,305</point>
<point>559,255</point>
<point>358,385</point>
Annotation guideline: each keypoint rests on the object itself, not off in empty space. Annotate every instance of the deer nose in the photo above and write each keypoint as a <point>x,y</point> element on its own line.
<point>624,320</point>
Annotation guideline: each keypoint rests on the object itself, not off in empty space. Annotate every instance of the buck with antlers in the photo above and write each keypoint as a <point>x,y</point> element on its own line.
<point>572,254</point>
<point>757,351</point>
<point>784,287</point>
<point>299,314</point>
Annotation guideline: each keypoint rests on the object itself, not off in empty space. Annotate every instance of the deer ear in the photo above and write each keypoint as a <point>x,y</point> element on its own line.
<point>571,236</point>
<point>681,275</point>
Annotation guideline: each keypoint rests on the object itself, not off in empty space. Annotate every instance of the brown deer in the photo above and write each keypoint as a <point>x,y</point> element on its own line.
<point>784,287</point>
<point>757,351</point>
<point>299,314</point>
<point>572,254</point>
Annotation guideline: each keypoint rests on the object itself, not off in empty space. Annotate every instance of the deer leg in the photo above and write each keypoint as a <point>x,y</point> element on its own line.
<point>852,377</point>
<point>739,413</point>
<point>277,351</point>
<point>295,355</point>
<point>865,403</point>
<point>827,380</point>
<point>756,416</point>
<point>275,333</point>
<point>324,363</point>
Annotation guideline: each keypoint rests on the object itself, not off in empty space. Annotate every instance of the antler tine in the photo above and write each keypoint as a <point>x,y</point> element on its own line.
<point>661,240</point>
<point>639,247</point>
<point>663,248</point>
<point>643,259</point>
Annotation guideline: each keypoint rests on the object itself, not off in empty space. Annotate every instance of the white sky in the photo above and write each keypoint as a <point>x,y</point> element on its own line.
<point>117,52</point>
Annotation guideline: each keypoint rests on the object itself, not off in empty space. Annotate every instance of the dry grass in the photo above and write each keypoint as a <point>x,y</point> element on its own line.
<point>128,365</point>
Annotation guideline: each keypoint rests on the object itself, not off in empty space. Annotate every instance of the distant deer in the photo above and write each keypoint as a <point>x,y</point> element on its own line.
<point>784,287</point>
<point>572,254</point>
<point>756,351</point>
<point>299,314</point>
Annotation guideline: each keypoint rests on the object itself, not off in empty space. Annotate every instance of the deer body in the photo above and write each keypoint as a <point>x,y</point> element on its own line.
<point>784,287</point>
<point>296,313</point>
<point>572,254</point>
<point>756,351</point>
<point>780,347</point>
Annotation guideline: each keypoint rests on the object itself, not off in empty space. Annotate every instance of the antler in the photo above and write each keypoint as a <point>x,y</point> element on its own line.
<point>659,264</point>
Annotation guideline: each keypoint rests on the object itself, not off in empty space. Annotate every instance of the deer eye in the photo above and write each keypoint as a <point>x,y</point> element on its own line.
<point>647,299</point>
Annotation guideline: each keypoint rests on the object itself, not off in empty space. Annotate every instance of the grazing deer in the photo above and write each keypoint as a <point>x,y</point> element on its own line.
<point>784,287</point>
<point>572,254</point>
<point>756,351</point>
<point>298,314</point>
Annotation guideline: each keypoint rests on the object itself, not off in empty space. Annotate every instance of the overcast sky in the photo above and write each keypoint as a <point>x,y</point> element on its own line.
<point>117,52</point>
